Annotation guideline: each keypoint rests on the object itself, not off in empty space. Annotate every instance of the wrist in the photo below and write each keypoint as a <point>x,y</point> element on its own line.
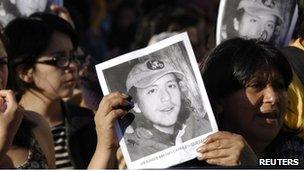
<point>106,148</point>
<point>108,156</point>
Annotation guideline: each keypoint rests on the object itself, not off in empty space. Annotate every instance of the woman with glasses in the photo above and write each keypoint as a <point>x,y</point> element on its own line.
<point>25,137</point>
<point>44,71</point>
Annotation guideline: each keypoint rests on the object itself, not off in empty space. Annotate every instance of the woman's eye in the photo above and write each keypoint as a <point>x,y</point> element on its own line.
<point>151,91</point>
<point>256,85</point>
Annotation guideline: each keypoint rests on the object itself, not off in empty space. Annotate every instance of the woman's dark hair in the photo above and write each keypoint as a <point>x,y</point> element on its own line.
<point>232,64</point>
<point>28,38</point>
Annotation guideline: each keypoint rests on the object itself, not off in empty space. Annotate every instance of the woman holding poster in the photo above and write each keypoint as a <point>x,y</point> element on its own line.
<point>256,76</point>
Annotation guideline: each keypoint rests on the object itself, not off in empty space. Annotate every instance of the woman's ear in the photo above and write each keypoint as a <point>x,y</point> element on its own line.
<point>25,75</point>
<point>136,108</point>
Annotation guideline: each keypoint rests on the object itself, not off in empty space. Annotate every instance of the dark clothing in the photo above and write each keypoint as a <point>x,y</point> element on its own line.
<point>81,134</point>
<point>36,158</point>
<point>287,146</point>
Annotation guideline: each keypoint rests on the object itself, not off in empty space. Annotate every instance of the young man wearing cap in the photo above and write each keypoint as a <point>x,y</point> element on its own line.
<point>258,19</point>
<point>162,117</point>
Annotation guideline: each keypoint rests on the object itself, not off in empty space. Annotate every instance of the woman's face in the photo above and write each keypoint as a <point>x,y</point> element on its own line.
<point>3,67</point>
<point>257,110</point>
<point>54,81</point>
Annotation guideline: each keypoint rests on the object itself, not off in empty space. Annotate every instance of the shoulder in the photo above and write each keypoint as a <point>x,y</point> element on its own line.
<point>140,143</point>
<point>144,139</point>
<point>43,135</point>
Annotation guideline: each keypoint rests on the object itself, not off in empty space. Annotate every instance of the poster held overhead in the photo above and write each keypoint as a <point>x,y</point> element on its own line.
<point>268,20</point>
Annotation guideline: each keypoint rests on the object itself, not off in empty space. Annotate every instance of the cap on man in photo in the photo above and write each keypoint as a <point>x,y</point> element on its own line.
<point>144,74</point>
<point>266,6</point>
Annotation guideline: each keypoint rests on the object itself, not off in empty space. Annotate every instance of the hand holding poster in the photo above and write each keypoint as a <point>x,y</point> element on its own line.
<point>171,107</point>
<point>267,20</point>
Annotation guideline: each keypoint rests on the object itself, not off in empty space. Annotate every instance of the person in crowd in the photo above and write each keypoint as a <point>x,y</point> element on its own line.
<point>163,118</point>
<point>44,71</point>
<point>295,55</point>
<point>123,29</point>
<point>25,137</point>
<point>88,92</point>
<point>255,76</point>
<point>89,85</point>
<point>256,19</point>
<point>176,18</point>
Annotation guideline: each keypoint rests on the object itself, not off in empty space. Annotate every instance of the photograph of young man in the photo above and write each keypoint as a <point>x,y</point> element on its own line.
<point>165,117</point>
<point>258,19</point>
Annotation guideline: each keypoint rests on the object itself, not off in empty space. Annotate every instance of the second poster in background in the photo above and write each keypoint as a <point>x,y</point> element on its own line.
<point>268,20</point>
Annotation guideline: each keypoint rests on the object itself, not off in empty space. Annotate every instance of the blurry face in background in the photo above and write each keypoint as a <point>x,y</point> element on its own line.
<point>258,26</point>
<point>27,7</point>
<point>3,67</point>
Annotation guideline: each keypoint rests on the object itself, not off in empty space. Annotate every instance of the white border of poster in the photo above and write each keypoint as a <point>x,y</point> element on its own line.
<point>180,152</point>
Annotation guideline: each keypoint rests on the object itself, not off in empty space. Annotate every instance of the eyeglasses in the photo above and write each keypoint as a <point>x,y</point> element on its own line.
<point>62,61</point>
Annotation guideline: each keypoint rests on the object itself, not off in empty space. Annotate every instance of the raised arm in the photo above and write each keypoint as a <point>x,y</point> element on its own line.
<point>10,120</point>
<point>110,109</point>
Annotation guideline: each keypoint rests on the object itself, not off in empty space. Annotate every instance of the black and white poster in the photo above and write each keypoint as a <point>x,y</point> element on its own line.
<point>267,20</point>
<point>172,111</point>
<point>10,9</point>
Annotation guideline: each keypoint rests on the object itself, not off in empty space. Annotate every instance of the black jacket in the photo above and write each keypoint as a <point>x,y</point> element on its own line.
<point>81,134</point>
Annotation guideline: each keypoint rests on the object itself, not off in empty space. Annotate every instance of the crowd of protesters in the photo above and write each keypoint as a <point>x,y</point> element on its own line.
<point>53,113</point>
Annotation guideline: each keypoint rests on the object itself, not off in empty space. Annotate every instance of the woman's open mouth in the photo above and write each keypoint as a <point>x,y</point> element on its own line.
<point>269,117</point>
